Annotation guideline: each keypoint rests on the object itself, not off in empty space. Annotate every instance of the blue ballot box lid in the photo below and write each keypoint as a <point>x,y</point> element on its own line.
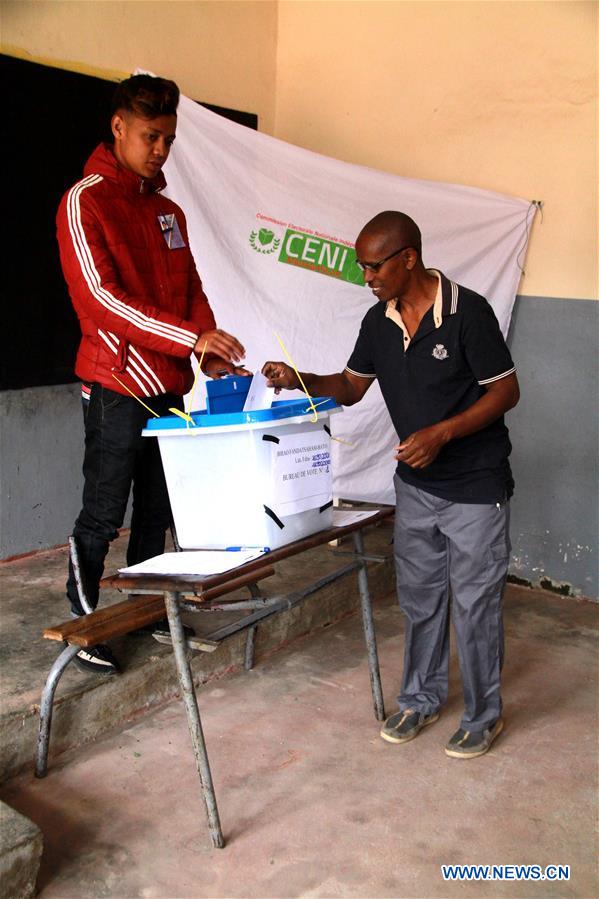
<point>279,410</point>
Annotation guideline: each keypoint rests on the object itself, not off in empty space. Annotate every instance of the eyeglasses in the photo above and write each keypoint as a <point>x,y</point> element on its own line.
<point>375,266</point>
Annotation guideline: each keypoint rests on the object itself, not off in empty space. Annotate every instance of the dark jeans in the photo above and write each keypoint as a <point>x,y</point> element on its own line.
<point>117,456</point>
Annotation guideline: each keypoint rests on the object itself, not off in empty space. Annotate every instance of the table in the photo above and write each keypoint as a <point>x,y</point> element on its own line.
<point>189,593</point>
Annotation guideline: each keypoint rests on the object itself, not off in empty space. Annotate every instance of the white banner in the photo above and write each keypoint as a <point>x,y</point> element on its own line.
<point>272,228</point>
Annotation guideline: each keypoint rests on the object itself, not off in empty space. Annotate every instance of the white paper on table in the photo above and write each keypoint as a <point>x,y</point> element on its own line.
<point>259,395</point>
<point>343,517</point>
<point>200,563</point>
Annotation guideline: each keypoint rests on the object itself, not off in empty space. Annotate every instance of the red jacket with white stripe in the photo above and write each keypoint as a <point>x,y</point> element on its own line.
<point>139,300</point>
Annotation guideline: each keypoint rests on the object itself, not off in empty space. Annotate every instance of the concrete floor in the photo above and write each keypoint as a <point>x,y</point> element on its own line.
<point>313,803</point>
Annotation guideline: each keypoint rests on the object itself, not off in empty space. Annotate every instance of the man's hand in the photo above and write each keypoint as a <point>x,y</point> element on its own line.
<point>279,375</point>
<point>217,368</point>
<point>219,343</point>
<point>345,387</point>
<point>422,447</point>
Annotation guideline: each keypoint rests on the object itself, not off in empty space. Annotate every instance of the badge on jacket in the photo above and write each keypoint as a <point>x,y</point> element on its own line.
<point>171,231</point>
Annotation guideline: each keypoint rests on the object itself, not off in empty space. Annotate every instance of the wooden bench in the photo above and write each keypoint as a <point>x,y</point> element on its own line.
<point>138,611</point>
<point>116,621</point>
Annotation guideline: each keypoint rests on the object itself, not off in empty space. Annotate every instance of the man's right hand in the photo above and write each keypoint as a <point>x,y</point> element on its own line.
<point>220,344</point>
<point>279,375</point>
<point>346,387</point>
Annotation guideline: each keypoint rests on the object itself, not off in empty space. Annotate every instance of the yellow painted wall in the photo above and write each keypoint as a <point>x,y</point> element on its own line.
<point>218,52</point>
<point>497,95</point>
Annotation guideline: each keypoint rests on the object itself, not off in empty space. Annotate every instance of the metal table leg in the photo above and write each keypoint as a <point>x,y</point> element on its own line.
<point>46,707</point>
<point>248,662</point>
<point>193,716</point>
<point>369,634</point>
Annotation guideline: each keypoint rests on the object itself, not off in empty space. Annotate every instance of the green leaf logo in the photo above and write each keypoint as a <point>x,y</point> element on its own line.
<point>265,236</point>
<point>264,241</point>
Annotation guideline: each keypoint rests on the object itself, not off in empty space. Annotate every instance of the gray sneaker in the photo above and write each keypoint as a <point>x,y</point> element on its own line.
<point>469,744</point>
<point>406,725</point>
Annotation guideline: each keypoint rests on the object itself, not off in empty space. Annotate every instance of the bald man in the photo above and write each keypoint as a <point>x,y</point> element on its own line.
<point>447,379</point>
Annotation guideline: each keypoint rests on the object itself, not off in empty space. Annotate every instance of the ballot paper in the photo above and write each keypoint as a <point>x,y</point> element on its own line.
<point>199,563</point>
<point>259,395</point>
<point>343,517</point>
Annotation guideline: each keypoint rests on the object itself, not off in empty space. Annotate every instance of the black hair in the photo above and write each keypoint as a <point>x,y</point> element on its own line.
<point>398,226</point>
<point>146,96</point>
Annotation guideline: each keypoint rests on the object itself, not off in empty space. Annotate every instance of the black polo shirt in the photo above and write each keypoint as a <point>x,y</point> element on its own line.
<point>441,371</point>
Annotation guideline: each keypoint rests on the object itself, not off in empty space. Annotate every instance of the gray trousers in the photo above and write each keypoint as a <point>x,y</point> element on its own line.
<point>459,549</point>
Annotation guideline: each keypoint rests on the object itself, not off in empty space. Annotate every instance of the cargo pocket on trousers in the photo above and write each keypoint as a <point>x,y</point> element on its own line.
<point>499,555</point>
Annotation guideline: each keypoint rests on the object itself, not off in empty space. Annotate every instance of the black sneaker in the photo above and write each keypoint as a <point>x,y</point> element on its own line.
<point>469,744</point>
<point>161,627</point>
<point>97,659</point>
<point>406,725</point>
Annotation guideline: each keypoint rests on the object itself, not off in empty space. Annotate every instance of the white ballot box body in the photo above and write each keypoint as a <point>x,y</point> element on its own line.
<point>248,479</point>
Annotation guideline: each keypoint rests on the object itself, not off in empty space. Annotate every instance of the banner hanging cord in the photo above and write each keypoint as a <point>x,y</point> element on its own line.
<point>534,207</point>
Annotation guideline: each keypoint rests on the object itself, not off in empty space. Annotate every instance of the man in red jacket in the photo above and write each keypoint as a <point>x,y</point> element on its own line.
<point>132,279</point>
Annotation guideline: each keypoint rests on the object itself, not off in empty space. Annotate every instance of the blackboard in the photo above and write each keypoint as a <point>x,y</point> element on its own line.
<point>53,120</point>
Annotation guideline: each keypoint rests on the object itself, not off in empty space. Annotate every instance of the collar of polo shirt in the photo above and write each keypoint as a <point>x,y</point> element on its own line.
<point>392,312</point>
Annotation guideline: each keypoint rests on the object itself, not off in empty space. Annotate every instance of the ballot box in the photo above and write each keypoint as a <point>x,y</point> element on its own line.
<point>258,478</point>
